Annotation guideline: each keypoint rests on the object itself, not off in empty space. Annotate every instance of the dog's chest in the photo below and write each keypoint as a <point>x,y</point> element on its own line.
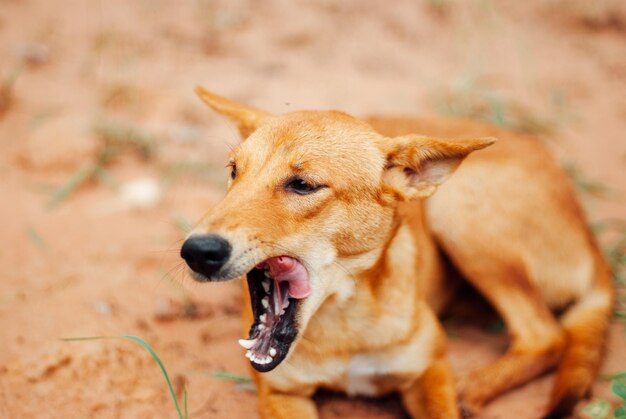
<point>356,375</point>
<point>368,376</point>
<point>366,373</point>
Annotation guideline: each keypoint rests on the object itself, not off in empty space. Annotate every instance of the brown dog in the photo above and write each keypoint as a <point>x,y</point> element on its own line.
<point>325,217</point>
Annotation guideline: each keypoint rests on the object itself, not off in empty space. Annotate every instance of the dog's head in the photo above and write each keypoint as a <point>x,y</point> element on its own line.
<point>309,191</point>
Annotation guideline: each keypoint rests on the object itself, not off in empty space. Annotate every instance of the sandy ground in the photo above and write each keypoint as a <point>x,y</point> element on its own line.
<point>80,78</point>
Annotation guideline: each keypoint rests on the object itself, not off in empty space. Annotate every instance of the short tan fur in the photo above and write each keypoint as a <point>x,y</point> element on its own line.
<point>372,238</point>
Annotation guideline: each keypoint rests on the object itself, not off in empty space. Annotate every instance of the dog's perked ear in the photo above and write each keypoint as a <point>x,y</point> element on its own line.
<point>247,118</point>
<point>416,165</point>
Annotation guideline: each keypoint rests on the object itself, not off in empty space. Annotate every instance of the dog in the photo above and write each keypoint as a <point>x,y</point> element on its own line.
<point>345,251</point>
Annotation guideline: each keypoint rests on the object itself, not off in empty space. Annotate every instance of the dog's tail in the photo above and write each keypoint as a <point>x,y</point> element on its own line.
<point>586,324</point>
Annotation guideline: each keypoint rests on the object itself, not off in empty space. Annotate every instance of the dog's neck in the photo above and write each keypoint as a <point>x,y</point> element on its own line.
<point>407,252</point>
<point>383,282</point>
<point>403,257</point>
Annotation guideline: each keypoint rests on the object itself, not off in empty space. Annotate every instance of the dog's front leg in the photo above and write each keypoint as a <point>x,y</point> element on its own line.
<point>432,395</point>
<point>275,405</point>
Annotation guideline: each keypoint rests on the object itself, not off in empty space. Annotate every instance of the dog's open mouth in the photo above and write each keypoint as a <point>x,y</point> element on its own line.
<point>275,286</point>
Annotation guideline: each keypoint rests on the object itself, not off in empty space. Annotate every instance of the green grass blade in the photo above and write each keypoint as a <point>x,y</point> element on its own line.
<point>229,376</point>
<point>36,238</point>
<point>619,388</point>
<point>620,412</point>
<point>79,177</point>
<point>597,410</point>
<point>616,376</point>
<point>183,224</point>
<point>154,356</point>
<point>185,400</point>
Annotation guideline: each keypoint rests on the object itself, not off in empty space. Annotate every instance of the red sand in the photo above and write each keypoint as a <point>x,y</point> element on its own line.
<point>98,263</point>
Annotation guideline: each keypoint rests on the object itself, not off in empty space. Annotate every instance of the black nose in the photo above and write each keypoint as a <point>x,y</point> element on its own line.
<point>205,254</point>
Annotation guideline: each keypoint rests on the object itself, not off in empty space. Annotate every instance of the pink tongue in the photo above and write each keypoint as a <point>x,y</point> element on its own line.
<point>285,268</point>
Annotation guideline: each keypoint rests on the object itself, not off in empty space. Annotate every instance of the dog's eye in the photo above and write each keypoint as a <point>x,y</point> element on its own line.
<point>301,186</point>
<point>233,170</point>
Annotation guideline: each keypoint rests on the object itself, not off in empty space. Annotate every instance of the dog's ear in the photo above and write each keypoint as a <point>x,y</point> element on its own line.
<point>416,165</point>
<point>247,118</point>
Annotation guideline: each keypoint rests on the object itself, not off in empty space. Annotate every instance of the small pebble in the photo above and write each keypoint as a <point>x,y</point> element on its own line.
<point>141,193</point>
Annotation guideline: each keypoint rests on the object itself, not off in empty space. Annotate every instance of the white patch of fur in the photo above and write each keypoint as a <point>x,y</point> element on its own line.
<point>356,375</point>
<point>410,359</point>
<point>360,372</point>
<point>303,377</point>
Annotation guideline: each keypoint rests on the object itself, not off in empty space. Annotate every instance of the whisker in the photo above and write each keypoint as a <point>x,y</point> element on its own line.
<point>176,273</point>
<point>229,145</point>
<point>175,245</point>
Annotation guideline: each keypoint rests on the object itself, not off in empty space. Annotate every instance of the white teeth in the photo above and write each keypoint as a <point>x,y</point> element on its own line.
<point>261,326</point>
<point>265,302</point>
<point>272,352</point>
<point>260,359</point>
<point>263,317</point>
<point>266,285</point>
<point>247,344</point>
<point>276,307</point>
<point>284,307</point>
<point>267,274</point>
